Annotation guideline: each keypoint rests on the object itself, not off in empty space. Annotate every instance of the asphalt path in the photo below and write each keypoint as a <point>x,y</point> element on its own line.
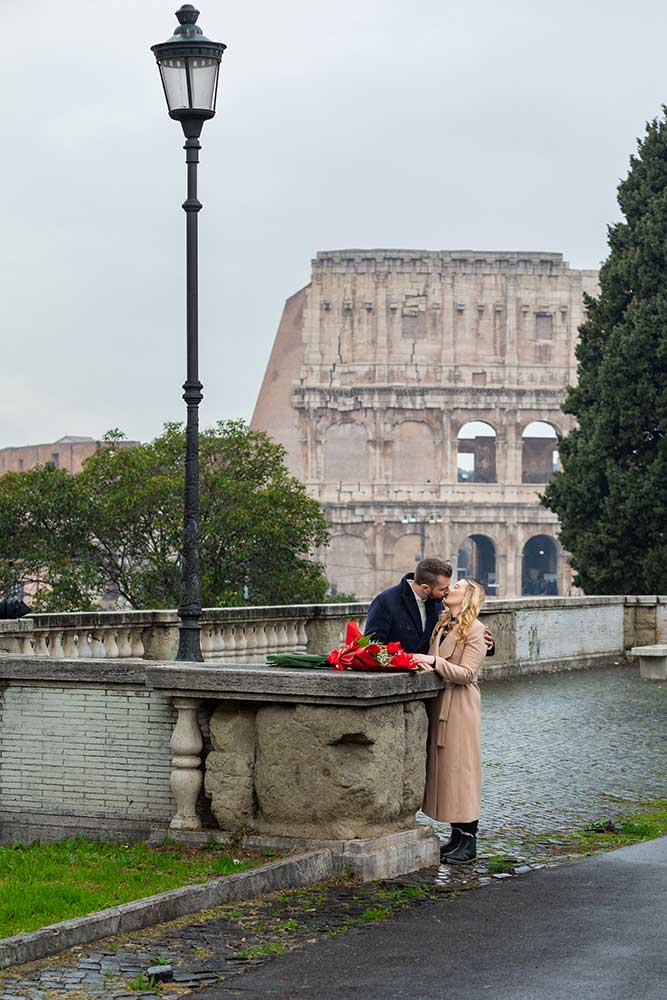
<point>589,930</point>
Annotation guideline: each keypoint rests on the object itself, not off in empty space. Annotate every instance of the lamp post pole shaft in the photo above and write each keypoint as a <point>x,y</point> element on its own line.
<point>189,612</point>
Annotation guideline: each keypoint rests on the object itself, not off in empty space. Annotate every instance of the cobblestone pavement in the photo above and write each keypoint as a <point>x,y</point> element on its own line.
<point>559,751</point>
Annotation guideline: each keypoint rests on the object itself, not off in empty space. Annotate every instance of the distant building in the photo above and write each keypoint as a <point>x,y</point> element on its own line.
<point>418,395</point>
<point>67,452</point>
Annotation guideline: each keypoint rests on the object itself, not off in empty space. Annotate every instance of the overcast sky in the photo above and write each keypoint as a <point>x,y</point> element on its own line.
<point>436,124</point>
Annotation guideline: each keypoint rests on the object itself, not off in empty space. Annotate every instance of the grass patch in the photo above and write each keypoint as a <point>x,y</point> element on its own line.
<point>499,863</point>
<point>624,831</point>
<point>272,948</point>
<point>610,834</point>
<point>141,982</point>
<point>45,883</point>
<point>373,913</point>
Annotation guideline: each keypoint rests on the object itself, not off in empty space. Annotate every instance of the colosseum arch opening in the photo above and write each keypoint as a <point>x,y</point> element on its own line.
<point>476,453</point>
<point>539,452</point>
<point>539,570</point>
<point>477,559</point>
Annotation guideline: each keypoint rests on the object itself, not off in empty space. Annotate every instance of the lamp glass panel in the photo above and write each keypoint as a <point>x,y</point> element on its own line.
<point>203,76</point>
<point>175,83</point>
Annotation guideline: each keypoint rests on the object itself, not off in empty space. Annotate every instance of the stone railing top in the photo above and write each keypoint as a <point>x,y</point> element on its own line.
<point>82,619</point>
<point>14,667</point>
<point>660,649</point>
<point>238,682</point>
<point>255,682</point>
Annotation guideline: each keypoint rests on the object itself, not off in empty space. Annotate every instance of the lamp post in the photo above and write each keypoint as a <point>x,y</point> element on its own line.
<point>422,520</point>
<point>189,65</point>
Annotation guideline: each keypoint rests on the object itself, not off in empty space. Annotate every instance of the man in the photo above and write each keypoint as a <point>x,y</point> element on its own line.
<point>407,613</point>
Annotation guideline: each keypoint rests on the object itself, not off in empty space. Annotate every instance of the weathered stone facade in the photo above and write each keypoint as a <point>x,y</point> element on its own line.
<point>412,390</point>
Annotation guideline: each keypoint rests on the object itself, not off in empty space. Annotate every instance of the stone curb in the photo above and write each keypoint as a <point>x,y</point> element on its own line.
<point>299,870</point>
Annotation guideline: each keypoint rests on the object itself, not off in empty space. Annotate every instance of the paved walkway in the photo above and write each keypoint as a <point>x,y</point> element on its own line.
<point>592,930</point>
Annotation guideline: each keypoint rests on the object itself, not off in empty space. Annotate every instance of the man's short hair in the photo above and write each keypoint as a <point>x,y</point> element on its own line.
<point>428,570</point>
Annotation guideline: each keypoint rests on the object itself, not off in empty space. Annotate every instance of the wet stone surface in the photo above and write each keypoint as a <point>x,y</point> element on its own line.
<point>560,751</point>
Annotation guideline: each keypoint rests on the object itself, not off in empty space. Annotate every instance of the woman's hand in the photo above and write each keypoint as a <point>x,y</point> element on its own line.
<point>424,661</point>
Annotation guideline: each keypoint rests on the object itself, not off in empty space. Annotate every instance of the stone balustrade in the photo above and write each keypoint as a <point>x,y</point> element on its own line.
<point>235,635</point>
<point>532,634</point>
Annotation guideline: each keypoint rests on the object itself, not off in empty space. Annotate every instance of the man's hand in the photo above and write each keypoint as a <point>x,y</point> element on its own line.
<point>489,641</point>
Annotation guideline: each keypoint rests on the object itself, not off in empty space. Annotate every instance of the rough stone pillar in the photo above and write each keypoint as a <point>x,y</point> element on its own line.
<point>186,776</point>
<point>511,460</point>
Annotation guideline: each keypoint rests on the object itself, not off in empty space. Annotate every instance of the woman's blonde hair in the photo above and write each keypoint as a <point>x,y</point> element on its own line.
<point>472,603</point>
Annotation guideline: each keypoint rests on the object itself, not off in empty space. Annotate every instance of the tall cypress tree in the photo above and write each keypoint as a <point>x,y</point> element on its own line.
<point>611,496</point>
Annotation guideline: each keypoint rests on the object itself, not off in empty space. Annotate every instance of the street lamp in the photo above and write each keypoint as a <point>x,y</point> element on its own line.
<point>189,65</point>
<point>422,520</point>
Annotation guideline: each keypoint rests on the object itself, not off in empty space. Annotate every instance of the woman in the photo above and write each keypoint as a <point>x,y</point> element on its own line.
<point>453,767</point>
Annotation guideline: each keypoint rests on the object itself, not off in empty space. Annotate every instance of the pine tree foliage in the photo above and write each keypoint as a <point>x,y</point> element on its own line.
<point>611,496</point>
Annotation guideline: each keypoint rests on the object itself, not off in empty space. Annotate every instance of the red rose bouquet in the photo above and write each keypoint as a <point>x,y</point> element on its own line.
<point>361,653</point>
<point>358,653</point>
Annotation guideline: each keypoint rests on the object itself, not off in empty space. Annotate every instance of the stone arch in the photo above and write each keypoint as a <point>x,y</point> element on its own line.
<point>413,453</point>
<point>477,559</point>
<point>539,452</point>
<point>346,456</point>
<point>476,453</point>
<point>539,566</point>
<point>347,568</point>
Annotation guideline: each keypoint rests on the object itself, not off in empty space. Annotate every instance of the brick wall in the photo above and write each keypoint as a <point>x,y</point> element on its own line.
<point>85,751</point>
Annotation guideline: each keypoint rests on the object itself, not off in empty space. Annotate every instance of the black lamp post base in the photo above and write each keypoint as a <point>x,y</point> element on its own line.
<point>189,642</point>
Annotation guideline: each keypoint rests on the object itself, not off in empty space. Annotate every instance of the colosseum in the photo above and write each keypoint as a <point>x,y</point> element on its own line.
<point>418,396</point>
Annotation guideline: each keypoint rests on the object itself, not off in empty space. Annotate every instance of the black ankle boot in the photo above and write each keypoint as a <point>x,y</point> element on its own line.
<point>452,843</point>
<point>464,852</point>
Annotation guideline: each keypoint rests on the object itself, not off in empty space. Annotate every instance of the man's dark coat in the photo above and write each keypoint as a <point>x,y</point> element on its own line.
<point>394,617</point>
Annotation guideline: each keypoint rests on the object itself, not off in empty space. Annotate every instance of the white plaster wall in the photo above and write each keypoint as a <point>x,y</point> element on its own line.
<point>550,634</point>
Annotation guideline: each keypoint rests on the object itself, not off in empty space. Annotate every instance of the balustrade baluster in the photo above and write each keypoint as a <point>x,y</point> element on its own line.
<point>124,644</point>
<point>261,643</point>
<point>56,645</point>
<point>84,644</point>
<point>137,642</point>
<point>207,642</point>
<point>70,647</point>
<point>241,643</point>
<point>41,645</point>
<point>98,647</point>
<point>271,638</point>
<point>186,776</point>
<point>110,644</point>
<point>291,636</point>
<point>219,642</point>
<point>230,643</point>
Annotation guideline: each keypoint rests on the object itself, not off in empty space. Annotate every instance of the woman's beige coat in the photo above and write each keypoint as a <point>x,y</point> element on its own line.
<point>453,767</point>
